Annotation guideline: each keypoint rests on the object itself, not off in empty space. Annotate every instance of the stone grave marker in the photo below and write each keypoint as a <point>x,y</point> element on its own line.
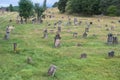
<point>57,40</point>
<point>84,55</point>
<point>45,33</point>
<point>52,70</point>
<point>111,54</point>
<point>84,34</point>
<point>75,34</point>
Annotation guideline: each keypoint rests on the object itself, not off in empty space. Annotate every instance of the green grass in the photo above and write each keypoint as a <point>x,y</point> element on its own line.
<point>97,65</point>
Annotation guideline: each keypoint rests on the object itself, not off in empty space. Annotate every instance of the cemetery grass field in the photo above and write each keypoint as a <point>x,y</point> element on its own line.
<point>97,65</point>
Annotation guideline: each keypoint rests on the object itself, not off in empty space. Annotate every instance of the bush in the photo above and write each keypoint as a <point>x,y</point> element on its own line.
<point>112,10</point>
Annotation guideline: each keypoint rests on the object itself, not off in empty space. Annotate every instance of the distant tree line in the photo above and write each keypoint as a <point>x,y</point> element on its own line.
<point>90,7</point>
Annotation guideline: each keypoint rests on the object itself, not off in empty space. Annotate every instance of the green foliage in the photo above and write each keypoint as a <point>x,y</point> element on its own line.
<point>44,5</point>
<point>11,8</point>
<point>39,10</point>
<point>86,7</point>
<point>62,5</point>
<point>89,7</point>
<point>55,4</point>
<point>112,10</point>
<point>25,8</point>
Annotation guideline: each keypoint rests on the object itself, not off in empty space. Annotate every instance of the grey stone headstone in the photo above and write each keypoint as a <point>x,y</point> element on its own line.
<point>110,38</point>
<point>84,34</point>
<point>111,54</point>
<point>57,40</point>
<point>115,40</point>
<point>75,34</point>
<point>29,60</point>
<point>45,33</point>
<point>52,70</point>
<point>84,55</point>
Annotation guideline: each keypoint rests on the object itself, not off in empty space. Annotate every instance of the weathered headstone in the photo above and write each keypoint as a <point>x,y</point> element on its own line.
<point>84,34</point>
<point>55,24</point>
<point>111,54</point>
<point>15,47</point>
<point>57,40</point>
<point>115,40</point>
<point>75,34</point>
<point>7,33</point>
<point>87,29</point>
<point>59,28</point>
<point>52,70</point>
<point>75,21</point>
<point>45,33</point>
<point>110,38</point>
<point>84,55</point>
<point>29,60</point>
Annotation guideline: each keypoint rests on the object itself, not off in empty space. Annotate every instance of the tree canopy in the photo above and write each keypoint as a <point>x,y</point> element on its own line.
<point>25,8</point>
<point>90,7</point>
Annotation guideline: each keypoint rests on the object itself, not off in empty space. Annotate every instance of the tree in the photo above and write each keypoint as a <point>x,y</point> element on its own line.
<point>55,4</point>
<point>44,4</point>
<point>39,11</point>
<point>112,10</point>
<point>10,8</point>
<point>25,9</point>
<point>62,5</point>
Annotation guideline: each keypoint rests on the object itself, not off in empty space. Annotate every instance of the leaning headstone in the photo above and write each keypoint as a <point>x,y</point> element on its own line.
<point>115,40</point>
<point>84,55</point>
<point>75,21</point>
<point>75,35</point>
<point>45,33</point>
<point>52,70</point>
<point>57,40</point>
<point>87,29</point>
<point>59,29</point>
<point>55,24</point>
<point>7,33</point>
<point>84,34</point>
<point>15,47</point>
<point>110,38</point>
<point>29,60</point>
<point>111,54</point>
